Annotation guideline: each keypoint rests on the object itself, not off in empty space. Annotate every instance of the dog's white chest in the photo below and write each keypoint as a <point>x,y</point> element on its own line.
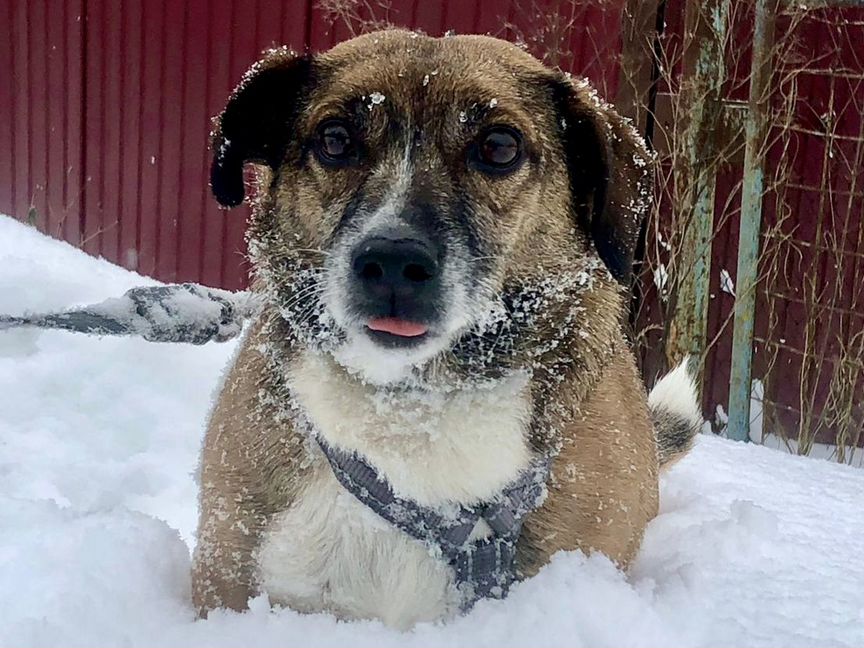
<point>330,552</point>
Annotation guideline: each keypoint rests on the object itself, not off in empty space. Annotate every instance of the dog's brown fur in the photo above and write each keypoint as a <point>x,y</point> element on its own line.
<point>581,193</point>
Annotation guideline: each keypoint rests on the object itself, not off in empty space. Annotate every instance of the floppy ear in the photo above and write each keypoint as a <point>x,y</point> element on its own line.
<point>257,122</point>
<point>610,173</point>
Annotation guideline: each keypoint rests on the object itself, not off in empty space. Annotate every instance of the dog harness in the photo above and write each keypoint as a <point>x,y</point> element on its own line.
<point>483,568</point>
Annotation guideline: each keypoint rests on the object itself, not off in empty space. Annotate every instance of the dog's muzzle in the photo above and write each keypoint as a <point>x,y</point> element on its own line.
<point>396,285</point>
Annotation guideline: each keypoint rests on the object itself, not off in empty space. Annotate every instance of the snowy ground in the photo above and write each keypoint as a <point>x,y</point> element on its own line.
<point>98,445</point>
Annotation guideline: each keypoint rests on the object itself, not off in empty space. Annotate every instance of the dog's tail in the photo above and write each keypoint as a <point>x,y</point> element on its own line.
<point>675,413</point>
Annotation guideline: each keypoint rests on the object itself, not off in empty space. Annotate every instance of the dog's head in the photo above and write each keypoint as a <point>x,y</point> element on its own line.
<point>414,181</point>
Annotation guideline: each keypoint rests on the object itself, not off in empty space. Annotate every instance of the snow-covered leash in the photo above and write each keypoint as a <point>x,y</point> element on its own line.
<point>185,313</point>
<point>484,568</point>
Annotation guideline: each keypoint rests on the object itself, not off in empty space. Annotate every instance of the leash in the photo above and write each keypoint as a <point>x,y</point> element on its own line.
<point>483,568</point>
<point>185,313</point>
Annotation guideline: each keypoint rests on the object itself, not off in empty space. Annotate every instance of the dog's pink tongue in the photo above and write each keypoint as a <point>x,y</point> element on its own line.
<point>396,326</point>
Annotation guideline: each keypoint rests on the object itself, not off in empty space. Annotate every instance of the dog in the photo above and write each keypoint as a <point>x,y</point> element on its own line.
<point>438,394</point>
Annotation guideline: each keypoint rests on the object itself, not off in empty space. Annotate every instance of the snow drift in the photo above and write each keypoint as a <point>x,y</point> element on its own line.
<point>98,451</point>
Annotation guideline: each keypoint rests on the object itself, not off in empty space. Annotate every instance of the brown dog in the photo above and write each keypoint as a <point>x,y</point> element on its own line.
<point>442,242</point>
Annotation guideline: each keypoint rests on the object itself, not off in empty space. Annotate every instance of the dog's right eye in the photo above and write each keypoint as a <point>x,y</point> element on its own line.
<point>335,145</point>
<point>498,151</point>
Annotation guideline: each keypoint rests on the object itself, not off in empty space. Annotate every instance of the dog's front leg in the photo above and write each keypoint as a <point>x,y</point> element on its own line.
<point>233,503</point>
<point>251,466</point>
<point>223,573</point>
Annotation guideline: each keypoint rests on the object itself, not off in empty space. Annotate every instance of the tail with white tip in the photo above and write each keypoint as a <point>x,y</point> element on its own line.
<point>675,412</point>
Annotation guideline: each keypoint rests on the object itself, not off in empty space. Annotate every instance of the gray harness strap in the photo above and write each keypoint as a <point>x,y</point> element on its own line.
<point>483,568</point>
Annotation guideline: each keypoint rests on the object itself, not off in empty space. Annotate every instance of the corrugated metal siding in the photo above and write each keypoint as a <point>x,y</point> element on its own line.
<point>105,117</point>
<point>156,71</point>
<point>40,122</point>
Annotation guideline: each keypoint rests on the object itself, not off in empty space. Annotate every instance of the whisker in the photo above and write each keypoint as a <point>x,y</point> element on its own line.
<point>305,316</point>
<point>305,290</point>
<point>306,293</point>
<point>312,251</point>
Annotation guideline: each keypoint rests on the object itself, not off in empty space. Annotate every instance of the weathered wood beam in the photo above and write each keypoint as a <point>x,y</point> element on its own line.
<point>756,130</point>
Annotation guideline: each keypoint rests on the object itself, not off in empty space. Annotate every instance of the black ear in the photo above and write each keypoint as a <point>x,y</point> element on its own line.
<point>610,173</point>
<point>257,122</point>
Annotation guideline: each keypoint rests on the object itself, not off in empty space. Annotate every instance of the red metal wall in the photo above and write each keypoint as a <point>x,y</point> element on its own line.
<point>41,147</point>
<point>105,109</point>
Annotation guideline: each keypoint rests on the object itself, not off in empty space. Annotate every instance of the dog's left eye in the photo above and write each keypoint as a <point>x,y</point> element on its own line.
<point>498,150</point>
<point>334,144</point>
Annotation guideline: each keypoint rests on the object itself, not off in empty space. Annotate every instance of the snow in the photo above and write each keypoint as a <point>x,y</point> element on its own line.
<point>661,276</point>
<point>770,439</point>
<point>375,99</point>
<point>727,284</point>
<point>98,450</point>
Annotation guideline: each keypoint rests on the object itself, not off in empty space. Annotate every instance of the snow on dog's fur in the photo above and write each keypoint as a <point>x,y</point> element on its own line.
<point>444,265</point>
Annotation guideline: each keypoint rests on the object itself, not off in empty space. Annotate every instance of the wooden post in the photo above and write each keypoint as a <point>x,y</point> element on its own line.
<point>756,130</point>
<point>700,113</point>
<point>638,30</point>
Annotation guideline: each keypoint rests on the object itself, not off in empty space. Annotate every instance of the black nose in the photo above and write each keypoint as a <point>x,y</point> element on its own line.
<point>400,268</point>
